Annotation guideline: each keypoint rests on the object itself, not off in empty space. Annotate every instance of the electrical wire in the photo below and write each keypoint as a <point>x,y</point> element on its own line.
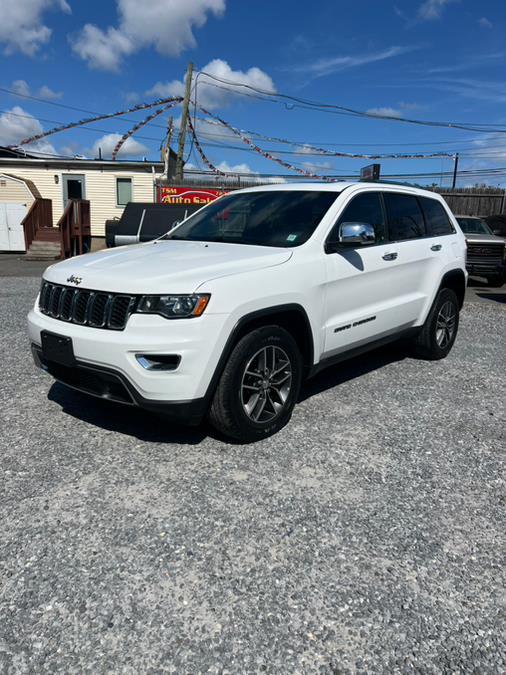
<point>315,105</point>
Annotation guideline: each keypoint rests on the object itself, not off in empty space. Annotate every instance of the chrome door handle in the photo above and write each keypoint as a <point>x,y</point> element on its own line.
<point>436,247</point>
<point>390,256</point>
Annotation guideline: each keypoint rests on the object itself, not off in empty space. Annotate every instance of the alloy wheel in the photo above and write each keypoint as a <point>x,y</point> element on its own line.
<point>445,324</point>
<point>266,384</point>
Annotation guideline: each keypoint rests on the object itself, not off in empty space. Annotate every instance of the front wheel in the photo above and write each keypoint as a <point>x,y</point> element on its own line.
<point>259,386</point>
<point>438,333</point>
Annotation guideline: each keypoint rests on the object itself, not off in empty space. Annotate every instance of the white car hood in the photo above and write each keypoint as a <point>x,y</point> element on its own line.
<point>163,266</point>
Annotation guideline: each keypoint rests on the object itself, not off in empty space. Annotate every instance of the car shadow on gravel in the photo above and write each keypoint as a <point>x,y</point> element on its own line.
<point>497,297</point>
<point>344,371</point>
<point>141,424</point>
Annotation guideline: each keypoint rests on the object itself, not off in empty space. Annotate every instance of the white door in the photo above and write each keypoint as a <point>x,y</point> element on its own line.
<point>372,291</point>
<point>15,215</point>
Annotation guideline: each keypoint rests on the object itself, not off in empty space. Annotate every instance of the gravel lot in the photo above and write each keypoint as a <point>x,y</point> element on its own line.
<point>368,536</point>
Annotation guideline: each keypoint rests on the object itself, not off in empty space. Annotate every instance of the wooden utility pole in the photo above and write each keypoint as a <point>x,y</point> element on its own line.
<point>184,122</point>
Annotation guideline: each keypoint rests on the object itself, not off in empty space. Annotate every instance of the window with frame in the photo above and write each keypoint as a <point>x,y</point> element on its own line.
<point>123,191</point>
<point>364,208</point>
<point>404,216</point>
<point>437,221</point>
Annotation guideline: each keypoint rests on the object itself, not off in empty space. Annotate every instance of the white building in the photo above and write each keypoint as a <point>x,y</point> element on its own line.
<point>108,185</point>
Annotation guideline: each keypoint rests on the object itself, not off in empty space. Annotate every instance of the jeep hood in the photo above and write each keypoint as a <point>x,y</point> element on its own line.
<point>163,266</point>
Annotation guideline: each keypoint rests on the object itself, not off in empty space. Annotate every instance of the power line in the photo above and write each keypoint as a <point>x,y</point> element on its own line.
<point>306,103</point>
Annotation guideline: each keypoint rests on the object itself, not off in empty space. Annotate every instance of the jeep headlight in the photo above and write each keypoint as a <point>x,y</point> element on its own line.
<point>174,306</point>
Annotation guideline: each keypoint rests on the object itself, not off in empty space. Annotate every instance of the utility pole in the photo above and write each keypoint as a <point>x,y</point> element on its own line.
<point>455,169</point>
<point>166,149</point>
<point>184,122</point>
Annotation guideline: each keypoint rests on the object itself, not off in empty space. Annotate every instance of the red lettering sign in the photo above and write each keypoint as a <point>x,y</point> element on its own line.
<point>179,196</point>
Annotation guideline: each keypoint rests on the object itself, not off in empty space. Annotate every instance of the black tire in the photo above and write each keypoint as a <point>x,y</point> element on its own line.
<point>495,281</point>
<point>427,343</point>
<point>228,413</point>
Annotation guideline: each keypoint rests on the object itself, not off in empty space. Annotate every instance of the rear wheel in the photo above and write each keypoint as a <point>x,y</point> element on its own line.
<point>259,386</point>
<point>439,331</point>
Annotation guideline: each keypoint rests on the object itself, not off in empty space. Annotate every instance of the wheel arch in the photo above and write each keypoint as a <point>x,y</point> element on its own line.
<point>456,281</point>
<point>292,317</point>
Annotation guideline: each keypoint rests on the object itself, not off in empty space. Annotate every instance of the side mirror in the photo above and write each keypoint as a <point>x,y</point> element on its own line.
<point>356,234</point>
<point>352,235</point>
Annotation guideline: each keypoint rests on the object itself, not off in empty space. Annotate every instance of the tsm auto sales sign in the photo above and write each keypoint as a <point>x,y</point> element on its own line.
<point>180,196</point>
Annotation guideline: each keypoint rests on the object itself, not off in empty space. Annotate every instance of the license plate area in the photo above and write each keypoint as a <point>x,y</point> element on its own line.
<point>57,348</point>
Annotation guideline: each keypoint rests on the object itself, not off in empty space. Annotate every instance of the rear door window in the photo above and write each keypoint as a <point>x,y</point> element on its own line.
<point>404,216</point>
<point>437,221</point>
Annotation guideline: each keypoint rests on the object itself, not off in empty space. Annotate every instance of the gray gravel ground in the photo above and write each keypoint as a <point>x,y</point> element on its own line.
<point>367,537</point>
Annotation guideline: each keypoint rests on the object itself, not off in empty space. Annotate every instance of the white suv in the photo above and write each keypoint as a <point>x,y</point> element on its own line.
<point>227,314</point>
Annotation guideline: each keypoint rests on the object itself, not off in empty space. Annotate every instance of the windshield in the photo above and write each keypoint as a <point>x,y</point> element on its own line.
<point>474,226</point>
<point>283,218</point>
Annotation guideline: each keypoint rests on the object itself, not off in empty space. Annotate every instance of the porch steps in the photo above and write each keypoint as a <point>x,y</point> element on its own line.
<point>43,250</point>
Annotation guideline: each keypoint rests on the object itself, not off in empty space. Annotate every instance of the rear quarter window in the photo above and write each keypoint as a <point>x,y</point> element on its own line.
<point>437,221</point>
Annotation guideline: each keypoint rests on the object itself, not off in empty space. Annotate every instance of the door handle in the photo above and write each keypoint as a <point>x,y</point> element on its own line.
<point>436,247</point>
<point>390,256</point>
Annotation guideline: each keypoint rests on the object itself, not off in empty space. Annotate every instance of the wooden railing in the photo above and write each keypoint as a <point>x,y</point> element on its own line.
<point>74,226</point>
<point>40,216</point>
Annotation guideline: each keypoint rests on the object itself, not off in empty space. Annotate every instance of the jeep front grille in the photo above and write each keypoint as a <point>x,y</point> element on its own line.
<point>86,308</point>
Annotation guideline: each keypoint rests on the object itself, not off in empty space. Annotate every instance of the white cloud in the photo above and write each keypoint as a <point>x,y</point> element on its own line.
<point>21,26</point>
<point>107,143</point>
<point>235,168</point>
<point>165,25</point>
<point>485,23</point>
<point>16,125</point>
<point>384,112</point>
<point>432,9</point>
<point>211,96</point>
<point>21,88</point>
<point>326,66</point>
<point>388,111</point>
<point>48,94</point>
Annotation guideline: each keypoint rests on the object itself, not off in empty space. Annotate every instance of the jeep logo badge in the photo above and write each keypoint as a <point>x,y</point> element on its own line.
<point>74,280</point>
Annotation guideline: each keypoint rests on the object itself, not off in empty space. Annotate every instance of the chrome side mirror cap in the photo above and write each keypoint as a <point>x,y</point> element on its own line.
<point>356,234</point>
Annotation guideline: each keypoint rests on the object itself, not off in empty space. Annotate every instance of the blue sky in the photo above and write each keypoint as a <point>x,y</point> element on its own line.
<point>425,59</point>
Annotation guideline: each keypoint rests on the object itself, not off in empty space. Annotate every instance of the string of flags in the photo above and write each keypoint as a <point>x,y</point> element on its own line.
<point>203,157</point>
<point>97,118</point>
<point>332,153</point>
<point>264,153</point>
<point>139,125</point>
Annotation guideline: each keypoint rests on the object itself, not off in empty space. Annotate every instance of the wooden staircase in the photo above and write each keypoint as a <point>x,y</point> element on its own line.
<point>45,242</point>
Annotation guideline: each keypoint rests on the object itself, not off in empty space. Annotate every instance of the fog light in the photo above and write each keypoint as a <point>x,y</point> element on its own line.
<point>158,361</point>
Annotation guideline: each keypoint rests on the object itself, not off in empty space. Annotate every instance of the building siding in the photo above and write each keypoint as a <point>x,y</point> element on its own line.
<point>100,189</point>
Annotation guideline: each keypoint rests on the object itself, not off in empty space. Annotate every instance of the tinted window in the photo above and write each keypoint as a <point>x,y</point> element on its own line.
<point>436,218</point>
<point>473,226</point>
<point>365,208</point>
<point>405,220</point>
<point>274,218</point>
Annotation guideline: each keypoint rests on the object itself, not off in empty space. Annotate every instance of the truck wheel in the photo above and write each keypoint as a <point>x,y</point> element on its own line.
<point>495,281</point>
<point>438,333</point>
<point>259,386</point>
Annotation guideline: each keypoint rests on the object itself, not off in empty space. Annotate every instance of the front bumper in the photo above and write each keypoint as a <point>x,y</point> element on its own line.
<point>485,269</point>
<point>198,343</point>
<point>110,385</point>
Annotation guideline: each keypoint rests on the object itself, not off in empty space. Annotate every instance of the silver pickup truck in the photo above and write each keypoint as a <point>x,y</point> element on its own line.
<point>485,251</point>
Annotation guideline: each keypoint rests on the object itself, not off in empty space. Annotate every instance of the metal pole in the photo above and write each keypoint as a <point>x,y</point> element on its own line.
<point>455,169</point>
<point>184,122</point>
<point>170,126</point>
